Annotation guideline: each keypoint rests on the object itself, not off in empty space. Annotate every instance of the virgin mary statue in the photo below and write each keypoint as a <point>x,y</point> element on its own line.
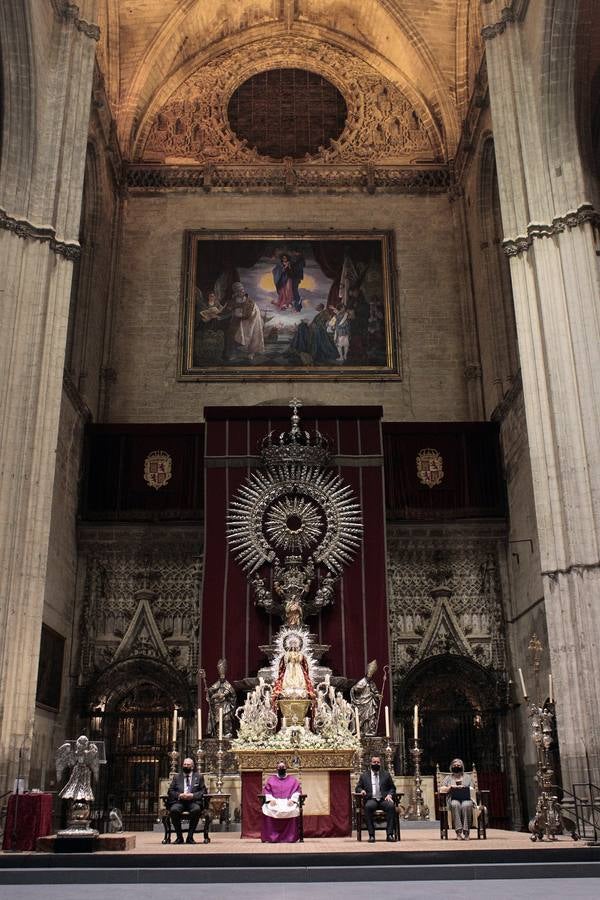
<point>293,679</point>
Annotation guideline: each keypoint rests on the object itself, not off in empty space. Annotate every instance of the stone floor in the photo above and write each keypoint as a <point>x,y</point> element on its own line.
<point>519,889</point>
<point>412,839</point>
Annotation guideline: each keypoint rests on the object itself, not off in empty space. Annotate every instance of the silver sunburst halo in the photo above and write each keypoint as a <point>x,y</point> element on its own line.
<point>294,524</point>
<point>330,498</point>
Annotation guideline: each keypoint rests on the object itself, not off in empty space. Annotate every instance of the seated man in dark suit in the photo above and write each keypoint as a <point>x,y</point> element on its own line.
<point>186,794</point>
<point>377,787</point>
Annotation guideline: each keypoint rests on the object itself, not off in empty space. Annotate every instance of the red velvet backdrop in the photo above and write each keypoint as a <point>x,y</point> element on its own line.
<point>356,625</point>
<point>337,824</point>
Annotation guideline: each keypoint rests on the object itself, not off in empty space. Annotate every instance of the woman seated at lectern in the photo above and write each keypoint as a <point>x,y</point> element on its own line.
<point>281,809</point>
<point>458,785</point>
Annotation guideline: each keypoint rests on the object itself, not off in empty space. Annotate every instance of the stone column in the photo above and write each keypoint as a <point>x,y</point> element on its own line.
<point>48,54</point>
<point>549,222</point>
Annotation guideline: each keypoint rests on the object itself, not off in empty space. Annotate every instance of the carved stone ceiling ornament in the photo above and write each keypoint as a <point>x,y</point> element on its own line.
<point>383,127</point>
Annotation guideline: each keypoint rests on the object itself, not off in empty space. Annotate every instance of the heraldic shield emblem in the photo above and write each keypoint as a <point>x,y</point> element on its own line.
<point>430,467</point>
<point>158,468</point>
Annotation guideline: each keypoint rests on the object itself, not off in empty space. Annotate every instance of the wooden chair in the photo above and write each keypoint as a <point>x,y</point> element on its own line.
<point>301,801</point>
<point>379,819</point>
<point>215,806</point>
<point>480,800</point>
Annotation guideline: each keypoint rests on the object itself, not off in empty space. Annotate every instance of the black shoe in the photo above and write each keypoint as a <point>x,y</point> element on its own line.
<point>390,838</point>
<point>179,840</point>
<point>190,840</point>
<point>371,838</point>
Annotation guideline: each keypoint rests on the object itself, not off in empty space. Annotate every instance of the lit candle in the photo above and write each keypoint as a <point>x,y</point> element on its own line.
<point>220,723</point>
<point>550,695</point>
<point>357,718</point>
<point>331,692</point>
<point>387,722</point>
<point>523,688</point>
<point>416,723</point>
<point>174,729</point>
<point>199,723</point>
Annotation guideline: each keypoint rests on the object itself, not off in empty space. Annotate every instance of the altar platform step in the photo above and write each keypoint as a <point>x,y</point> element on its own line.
<point>228,860</point>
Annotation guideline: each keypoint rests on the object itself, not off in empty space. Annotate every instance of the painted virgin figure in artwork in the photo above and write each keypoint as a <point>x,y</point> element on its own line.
<point>288,272</point>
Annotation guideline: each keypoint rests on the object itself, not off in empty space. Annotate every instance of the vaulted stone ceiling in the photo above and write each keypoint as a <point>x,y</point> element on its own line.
<point>429,49</point>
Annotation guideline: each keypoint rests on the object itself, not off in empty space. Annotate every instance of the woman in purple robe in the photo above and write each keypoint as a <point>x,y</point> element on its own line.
<point>280,809</point>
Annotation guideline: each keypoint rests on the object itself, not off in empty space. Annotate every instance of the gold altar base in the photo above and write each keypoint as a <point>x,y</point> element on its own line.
<point>266,760</point>
<point>294,711</point>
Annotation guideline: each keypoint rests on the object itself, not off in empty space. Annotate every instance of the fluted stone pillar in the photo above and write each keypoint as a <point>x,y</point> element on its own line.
<point>550,226</point>
<point>48,51</point>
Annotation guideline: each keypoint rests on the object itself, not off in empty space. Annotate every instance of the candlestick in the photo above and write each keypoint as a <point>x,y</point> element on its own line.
<point>220,723</point>
<point>174,760</point>
<point>523,688</point>
<point>417,809</point>
<point>416,723</point>
<point>199,724</point>
<point>357,720</point>
<point>387,722</point>
<point>174,728</point>
<point>550,694</point>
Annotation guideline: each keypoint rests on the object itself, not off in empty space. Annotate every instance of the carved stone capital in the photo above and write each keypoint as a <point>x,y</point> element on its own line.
<point>488,32</point>
<point>535,230</point>
<point>46,234</point>
<point>69,12</point>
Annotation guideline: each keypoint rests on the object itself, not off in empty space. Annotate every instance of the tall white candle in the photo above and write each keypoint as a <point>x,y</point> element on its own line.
<point>220,723</point>
<point>357,719</point>
<point>416,723</point>
<point>523,688</point>
<point>550,694</point>
<point>199,723</point>
<point>174,729</point>
<point>387,722</point>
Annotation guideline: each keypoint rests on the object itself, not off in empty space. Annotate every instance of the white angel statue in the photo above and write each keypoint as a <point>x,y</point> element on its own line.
<point>85,759</point>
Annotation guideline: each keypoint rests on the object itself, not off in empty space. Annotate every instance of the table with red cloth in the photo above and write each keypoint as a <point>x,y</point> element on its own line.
<point>324,777</point>
<point>34,819</point>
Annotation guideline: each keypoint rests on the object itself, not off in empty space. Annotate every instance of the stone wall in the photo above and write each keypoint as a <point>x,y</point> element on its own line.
<point>60,599</point>
<point>146,321</point>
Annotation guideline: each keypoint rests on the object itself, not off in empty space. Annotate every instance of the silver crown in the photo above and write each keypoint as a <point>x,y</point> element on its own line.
<point>295,445</point>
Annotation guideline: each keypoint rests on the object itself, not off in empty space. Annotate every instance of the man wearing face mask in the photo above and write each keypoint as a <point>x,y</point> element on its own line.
<point>378,789</point>
<point>186,794</point>
<point>280,809</point>
<point>458,786</point>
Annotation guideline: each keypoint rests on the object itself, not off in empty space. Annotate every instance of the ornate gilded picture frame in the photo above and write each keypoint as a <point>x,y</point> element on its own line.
<point>289,305</point>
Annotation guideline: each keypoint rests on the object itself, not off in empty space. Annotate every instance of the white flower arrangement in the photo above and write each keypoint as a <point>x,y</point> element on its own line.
<point>297,738</point>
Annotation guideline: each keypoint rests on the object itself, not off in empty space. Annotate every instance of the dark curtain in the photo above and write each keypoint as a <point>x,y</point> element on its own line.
<point>472,484</point>
<point>330,257</point>
<point>218,257</point>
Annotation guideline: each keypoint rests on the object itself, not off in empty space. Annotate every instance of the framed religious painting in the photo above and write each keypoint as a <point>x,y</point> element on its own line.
<point>50,669</point>
<point>265,306</point>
